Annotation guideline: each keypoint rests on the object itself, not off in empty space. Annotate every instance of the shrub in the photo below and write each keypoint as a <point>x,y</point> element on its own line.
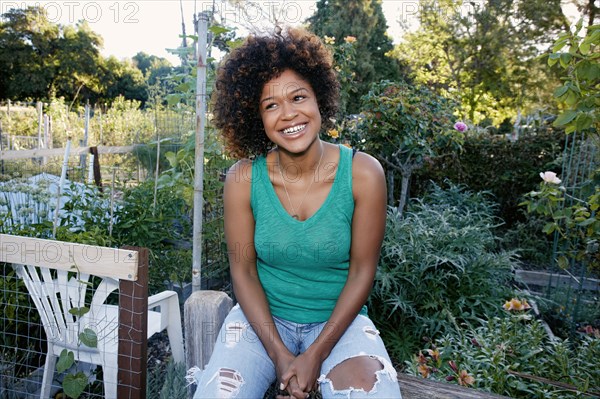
<point>507,169</point>
<point>512,355</point>
<point>438,269</point>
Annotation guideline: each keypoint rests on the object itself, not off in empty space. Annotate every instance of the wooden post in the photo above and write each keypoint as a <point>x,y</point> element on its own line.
<point>84,142</point>
<point>202,30</point>
<point>133,330</point>
<point>45,137</point>
<point>97,176</point>
<point>40,111</point>
<point>204,313</point>
<point>420,388</point>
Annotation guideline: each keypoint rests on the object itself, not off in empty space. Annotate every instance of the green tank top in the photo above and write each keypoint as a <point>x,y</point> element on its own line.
<point>303,265</point>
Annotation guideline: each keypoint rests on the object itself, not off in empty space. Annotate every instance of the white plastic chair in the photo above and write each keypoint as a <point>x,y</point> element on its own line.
<point>56,292</point>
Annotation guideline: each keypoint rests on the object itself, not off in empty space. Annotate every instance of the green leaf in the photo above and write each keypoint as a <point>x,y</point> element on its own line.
<point>559,44</point>
<point>584,48</point>
<point>553,58</point>
<point>218,30</point>
<point>584,121</point>
<point>564,59</point>
<point>571,98</point>
<point>79,311</point>
<point>549,228</point>
<point>173,99</point>
<point>172,158</point>
<point>65,360</point>
<point>587,222</point>
<point>89,338</point>
<point>563,262</point>
<point>74,384</point>
<point>561,91</point>
<point>565,118</point>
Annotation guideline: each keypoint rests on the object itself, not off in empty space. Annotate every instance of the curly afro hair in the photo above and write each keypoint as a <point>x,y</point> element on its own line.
<point>244,72</point>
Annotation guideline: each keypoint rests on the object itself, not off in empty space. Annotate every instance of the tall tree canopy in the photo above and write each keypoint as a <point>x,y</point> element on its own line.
<point>42,60</point>
<point>484,54</point>
<point>364,20</point>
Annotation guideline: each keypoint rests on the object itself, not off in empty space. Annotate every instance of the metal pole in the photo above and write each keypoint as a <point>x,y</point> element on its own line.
<point>202,30</point>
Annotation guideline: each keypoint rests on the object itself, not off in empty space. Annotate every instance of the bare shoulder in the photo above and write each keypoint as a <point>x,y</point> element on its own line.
<point>366,171</point>
<point>238,179</point>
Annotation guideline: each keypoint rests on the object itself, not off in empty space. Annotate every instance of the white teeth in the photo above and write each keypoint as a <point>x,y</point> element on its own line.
<point>293,129</point>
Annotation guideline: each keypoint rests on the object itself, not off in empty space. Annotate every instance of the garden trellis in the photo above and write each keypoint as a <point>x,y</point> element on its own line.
<point>581,158</point>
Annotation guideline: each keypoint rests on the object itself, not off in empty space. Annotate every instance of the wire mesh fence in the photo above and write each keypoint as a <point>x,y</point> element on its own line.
<point>569,288</point>
<point>29,197</point>
<point>70,331</point>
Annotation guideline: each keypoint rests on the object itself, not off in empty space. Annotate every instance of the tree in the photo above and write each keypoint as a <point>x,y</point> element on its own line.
<point>364,20</point>
<point>404,126</point>
<point>27,42</point>
<point>485,56</point>
<point>122,78</point>
<point>43,60</point>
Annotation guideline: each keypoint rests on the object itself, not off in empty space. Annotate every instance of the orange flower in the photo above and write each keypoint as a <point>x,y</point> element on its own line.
<point>435,354</point>
<point>422,359</point>
<point>333,133</point>
<point>424,370</point>
<point>350,39</point>
<point>465,379</point>
<point>515,304</point>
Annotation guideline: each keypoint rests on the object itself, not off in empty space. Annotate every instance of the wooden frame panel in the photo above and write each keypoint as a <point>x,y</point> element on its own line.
<point>119,264</point>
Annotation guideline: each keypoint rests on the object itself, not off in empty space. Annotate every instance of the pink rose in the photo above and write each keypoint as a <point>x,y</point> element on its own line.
<point>461,126</point>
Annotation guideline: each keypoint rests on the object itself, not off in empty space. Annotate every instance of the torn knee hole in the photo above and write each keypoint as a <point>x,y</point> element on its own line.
<point>359,373</point>
<point>371,332</point>
<point>235,327</point>
<point>229,380</point>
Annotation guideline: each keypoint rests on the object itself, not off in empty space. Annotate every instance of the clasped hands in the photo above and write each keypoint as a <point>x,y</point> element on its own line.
<point>297,375</point>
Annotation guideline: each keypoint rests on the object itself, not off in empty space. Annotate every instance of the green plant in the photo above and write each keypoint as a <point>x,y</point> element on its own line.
<point>581,74</point>
<point>167,382</point>
<point>405,126</point>
<point>438,269</point>
<point>507,169</point>
<point>577,225</point>
<point>513,355</point>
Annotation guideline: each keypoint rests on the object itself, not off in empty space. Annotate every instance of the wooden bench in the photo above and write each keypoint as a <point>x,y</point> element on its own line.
<point>205,311</point>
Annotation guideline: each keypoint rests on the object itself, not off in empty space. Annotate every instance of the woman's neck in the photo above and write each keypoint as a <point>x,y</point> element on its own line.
<point>306,161</point>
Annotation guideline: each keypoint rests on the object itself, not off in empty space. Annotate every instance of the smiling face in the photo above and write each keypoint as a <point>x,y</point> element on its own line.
<point>290,112</point>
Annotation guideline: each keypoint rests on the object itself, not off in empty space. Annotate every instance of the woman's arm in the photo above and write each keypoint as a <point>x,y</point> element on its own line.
<point>239,233</point>
<point>368,227</point>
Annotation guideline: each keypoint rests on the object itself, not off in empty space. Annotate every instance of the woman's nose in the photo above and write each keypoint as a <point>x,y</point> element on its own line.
<point>289,111</point>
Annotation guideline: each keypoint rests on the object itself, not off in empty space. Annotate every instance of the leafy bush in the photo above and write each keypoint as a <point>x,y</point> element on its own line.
<point>512,355</point>
<point>438,269</point>
<point>405,125</point>
<point>507,169</point>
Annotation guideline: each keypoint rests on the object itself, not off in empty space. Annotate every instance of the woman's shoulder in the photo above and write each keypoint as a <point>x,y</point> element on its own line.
<point>239,177</point>
<point>367,175</point>
<point>365,166</point>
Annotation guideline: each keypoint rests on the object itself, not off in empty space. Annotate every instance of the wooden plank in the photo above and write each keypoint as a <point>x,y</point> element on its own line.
<point>56,152</point>
<point>100,261</point>
<point>133,330</point>
<point>420,388</point>
<point>204,313</point>
<point>543,279</point>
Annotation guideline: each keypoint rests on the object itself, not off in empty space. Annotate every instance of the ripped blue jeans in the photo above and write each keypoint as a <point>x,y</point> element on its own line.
<point>240,367</point>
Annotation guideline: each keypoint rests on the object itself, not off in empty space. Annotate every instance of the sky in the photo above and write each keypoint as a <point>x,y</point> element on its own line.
<point>152,26</point>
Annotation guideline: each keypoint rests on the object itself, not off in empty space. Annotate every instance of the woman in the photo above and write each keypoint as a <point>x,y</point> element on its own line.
<point>304,221</point>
